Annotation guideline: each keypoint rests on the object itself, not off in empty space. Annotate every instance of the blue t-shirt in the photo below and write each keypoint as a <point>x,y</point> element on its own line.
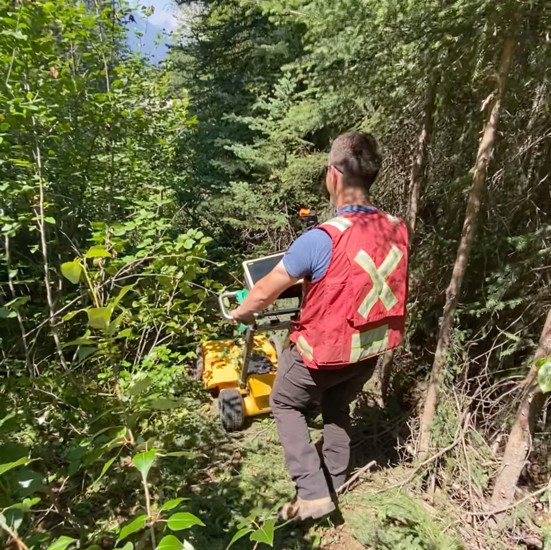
<point>310,255</point>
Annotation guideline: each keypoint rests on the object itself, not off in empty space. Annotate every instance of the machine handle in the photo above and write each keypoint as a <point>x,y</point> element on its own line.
<point>278,312</point>
<point>221,297</point>
<point>260,315</point>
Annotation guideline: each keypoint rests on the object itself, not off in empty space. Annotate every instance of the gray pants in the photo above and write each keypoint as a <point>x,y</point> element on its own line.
<point>295,390</point>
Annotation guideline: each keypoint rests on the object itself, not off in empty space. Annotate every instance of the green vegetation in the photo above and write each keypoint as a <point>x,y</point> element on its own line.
<point>129,193</point>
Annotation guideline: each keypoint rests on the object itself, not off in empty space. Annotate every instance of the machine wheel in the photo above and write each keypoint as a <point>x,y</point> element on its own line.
<point>232,413</point>
<point>197,369</point>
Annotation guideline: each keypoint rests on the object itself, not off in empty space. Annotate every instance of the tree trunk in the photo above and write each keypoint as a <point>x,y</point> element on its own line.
<point>415,180</point>
<point>485,150</point>
<point>420,155</point>
<point>520,438</point>
<point>40,216</point>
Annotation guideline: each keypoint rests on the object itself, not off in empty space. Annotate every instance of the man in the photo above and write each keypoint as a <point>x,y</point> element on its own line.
<point>355,272</point>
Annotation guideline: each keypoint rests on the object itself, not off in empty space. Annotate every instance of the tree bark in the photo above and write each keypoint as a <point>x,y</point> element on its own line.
<point>418,163</point>
<point>485,150</point>
<point>520,439</point>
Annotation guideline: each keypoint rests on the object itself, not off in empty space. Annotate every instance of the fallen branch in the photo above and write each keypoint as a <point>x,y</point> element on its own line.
<point>345,486</point>
<point>511,506</point>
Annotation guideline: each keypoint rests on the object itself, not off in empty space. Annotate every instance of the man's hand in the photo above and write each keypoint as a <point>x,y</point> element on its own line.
<point>241,317</point>
<point>264,293</point>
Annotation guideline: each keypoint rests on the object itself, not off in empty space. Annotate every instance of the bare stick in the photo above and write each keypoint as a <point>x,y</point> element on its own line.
<point>20,544</point>
<point>148,509</point>
<point>41,224</point>
<point>343,488</point>
<point>511,506</point>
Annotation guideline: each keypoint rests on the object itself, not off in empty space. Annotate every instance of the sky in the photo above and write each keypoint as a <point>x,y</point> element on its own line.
<point>164,20</point>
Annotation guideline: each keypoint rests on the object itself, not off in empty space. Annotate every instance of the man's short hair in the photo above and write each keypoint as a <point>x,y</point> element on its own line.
<point>358,158</point>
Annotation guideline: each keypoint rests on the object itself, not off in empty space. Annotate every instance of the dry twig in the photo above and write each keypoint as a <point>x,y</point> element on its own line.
<point>343,488</point>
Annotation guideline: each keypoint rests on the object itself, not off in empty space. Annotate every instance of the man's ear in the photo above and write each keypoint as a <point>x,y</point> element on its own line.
<point>330,179</point>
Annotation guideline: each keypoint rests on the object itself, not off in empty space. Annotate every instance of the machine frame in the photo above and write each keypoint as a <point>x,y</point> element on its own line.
<point>243,394</point>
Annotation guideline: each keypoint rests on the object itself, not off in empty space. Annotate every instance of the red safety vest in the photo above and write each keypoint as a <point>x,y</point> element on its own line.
<point>358,308</point>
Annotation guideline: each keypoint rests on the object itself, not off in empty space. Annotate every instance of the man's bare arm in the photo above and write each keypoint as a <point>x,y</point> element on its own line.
<point>264,293</point>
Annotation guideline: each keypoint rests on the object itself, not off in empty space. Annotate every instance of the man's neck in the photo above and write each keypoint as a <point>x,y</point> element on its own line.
<point>352,196</point>
<point>356,200</point>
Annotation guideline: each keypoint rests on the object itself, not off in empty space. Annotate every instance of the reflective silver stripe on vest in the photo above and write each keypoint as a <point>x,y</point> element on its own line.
<point>340,222</point>
<point>380,291</point>
<point>305,348</point>
<point>368,343</point>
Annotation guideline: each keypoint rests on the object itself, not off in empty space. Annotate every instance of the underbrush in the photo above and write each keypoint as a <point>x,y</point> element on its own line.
<point>71,440</point>
<point>440,503</point>
<point>74,440</point>
<point>397,521</point>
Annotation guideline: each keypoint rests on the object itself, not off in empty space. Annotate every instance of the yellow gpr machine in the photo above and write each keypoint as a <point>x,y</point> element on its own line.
<point>243,375</point>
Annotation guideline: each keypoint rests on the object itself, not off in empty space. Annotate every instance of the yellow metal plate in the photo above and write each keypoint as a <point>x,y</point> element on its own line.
<point>221,360</point>
<point>222,364</point>
<point>257,398</point>
<point>260,385</point>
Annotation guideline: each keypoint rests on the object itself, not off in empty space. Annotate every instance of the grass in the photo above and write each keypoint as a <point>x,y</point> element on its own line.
<point>251,480</point>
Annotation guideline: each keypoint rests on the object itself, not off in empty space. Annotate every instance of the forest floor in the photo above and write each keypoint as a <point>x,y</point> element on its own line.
<point>390,507</point>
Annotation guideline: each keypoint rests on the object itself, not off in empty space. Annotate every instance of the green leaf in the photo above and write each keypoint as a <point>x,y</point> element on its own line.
<point>126,333</point>
<point>265,534</point>
<point>49,219</point>
<point>10,465</point>
<point>17,302</point>
<point>144,461</point>
<point>8,416</point>
<point>164,404</point>
<point>544,375</point>
<point>98,251</point>
<point>85,352</point>
<point>128,546</point>
<point>171,504</point>
<point>84,340</point>
<point>27,504</point>
<point>61,543</point>
<point>7,314</point>
<point>72,271</point>
<point>106,467</point>
<point>183,520</point>
<point>239,535</point>
<point>123,292</point>
<point>170,542</point>
<point>114,325</point>
<point>69,316</point>
<point>135,525</point>
<point>99,317</point>
<point>140,386</point>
